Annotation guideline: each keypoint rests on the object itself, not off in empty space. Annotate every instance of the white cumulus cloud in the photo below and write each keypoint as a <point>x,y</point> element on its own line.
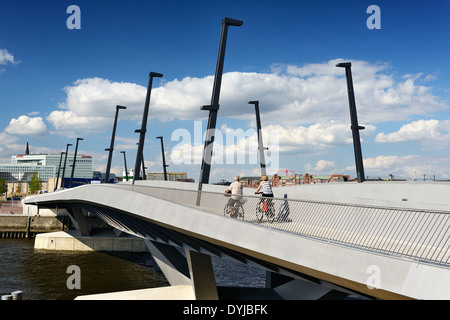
<point>322,166</point>
<point>430,133</point>
<point>26,125</point>
<point>408,167</point>
<point>316,138</point>
<point>308,94</point>
<point>308,104</point>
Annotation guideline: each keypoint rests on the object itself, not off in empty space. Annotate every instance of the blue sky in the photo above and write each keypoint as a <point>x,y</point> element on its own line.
<point>57,84</point>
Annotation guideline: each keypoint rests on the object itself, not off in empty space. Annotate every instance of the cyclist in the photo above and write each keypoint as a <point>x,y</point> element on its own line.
<point>266,191</point>
<point>236,194</point>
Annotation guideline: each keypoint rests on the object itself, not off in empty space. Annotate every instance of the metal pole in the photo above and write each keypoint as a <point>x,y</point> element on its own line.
<point>111,146</point>
<point>354,120</point>
<point>261,148</point>
<point>143,130</point>
<point>125,161</point>
<point>74,161</point>
<point>214,106</point>
<point>163,157</point>
<point>64,167</point>
<point>59,169</point>
<point>144,177</point>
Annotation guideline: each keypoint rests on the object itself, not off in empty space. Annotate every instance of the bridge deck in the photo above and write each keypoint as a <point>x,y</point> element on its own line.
<point>335,242</point>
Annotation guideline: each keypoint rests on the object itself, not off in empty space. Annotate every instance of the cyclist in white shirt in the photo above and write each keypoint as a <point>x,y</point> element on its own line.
<point>236,188</point>
<point>236,194</point>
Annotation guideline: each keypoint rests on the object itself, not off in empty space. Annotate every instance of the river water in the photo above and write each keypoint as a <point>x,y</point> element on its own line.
<point>43,274</point>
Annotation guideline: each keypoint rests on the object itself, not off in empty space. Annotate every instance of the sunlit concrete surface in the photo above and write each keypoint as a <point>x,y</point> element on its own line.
<point>162,213</point>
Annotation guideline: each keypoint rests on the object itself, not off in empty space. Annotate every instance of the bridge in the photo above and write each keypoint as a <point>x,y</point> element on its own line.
<point>381,240</point>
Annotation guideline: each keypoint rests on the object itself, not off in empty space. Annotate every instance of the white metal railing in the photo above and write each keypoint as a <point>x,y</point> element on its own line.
<point>416,234</point>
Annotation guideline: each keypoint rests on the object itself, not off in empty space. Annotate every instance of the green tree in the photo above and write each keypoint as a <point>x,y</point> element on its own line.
<point>35,183</point>
<point>19,188</point>
<point>3,186</point>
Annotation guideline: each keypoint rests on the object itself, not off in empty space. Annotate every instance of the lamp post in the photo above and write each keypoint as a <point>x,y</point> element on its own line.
<point>111,146</point>
<point>214,106</point>
<point>74,161</point>
<point>261,148</point>
<point>143,130</point>
<point>163,157</point>
<point>143,167</point>
<point>125,161</point>
<point>354,120</point>
<point>59,169</point>
<point>64,167</point>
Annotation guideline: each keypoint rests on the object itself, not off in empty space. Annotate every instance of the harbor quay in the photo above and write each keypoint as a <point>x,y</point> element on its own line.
<point>53,229</point>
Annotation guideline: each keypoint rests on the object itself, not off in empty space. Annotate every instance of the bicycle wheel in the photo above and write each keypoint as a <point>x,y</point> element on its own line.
<point>259,211</point>
<point>270,211</point>
<point>226,210</point>
<point>240,212</point>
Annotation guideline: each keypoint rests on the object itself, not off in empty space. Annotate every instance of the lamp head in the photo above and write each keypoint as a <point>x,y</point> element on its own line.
<point>344,64</point>
<point>232,22</point>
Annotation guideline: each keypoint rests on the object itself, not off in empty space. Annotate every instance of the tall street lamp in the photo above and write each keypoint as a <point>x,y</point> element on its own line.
<point>143,130</point>
<point>163,157</point>
<point>354,120</point>
<point>59,169</point>
<point>261,148</point>
<point>111,146</point>
<point>214,106</point>
<point>125,161</point>
<point>64,167</point>
<point>74,161</point>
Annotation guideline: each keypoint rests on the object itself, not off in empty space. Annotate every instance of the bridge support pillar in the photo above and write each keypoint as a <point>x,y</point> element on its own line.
<point>202,275</point>
<point>194,269</point>
<point>80,222</point>
<point>171,262</point>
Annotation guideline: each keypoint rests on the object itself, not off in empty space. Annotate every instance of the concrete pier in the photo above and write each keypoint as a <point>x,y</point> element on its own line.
<point>104,240</point>
<point>21,226</point>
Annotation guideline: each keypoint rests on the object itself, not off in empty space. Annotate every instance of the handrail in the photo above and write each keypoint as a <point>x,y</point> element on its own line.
<point>415,234</point>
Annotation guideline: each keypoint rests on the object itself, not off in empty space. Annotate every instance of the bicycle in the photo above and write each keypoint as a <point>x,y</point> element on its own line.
<point>266,208</point>
<point>234,207</point>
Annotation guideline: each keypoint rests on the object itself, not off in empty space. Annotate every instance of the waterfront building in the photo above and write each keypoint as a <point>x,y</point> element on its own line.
<point>171,176</point>
<point>294,179</point>
<point>22,167</point>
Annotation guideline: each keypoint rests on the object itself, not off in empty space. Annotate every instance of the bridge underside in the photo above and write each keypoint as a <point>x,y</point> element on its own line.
<point>186,261</point>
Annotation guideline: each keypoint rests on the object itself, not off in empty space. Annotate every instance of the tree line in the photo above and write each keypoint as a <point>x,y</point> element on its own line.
<point>35,185</point>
